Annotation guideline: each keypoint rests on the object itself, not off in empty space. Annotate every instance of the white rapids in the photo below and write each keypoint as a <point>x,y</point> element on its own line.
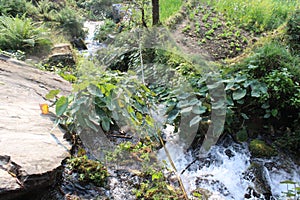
<point>224,172</point>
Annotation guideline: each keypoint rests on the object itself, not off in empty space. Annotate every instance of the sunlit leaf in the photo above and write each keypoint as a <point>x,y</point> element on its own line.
<point>52,94</point>
<point>94,90</point>
<point>198,110</point>
<point>195,120</point>
<point>61,105</point>
<point>149,120</point>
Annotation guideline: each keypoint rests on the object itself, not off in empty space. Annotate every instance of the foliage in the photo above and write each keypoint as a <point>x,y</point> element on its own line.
<point>103,30</point>
<point>88,170</point>
<point>20,33</point>
<point>272,75</point>
<point>259,148</point>
<point>154,184</point>
<point>109,98</point>
<point>293,31</point>
<point>70,23</point>
<point>96,9</point>
<point>256,15</point>
<point>289,142</point>
<point>13,7</point>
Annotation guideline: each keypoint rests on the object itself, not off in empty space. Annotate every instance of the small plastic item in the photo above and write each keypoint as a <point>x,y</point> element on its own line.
<point>44,108</point>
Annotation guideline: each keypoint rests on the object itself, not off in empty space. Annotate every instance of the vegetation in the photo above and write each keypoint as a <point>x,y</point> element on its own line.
<point>168,8</point>
<point>254,15</point>
<point>20,33</point>
<point>258,93</point>
<point>88,170</point>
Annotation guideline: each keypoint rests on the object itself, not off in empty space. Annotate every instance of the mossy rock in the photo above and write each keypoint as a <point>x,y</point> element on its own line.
<point>259,148</point>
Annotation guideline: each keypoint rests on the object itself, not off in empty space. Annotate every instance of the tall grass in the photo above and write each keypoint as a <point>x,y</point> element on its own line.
<point>259,15</point>
<point>167,8</point>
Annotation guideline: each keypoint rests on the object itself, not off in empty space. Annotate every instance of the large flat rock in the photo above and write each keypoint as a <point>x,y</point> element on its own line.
<point>31,146</point>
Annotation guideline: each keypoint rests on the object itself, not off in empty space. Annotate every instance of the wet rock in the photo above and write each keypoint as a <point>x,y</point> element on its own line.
<point>79,44</point>
<point>32,148</point>
<point>256,173</point>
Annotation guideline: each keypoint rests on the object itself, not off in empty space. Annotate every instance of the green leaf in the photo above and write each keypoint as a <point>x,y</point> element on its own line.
<point>186,110</point>
<point>105,123</point>
<point>173,115</point>
<point>288,182</point>
<point>194,101</point>
<point>274,112</point>
<point>198,110</point>
<point>149,120</point>
<point>94,90</point>
<point>52,94</point>
<point>61,105</point>
<point>239,79</point>
<point>195,120</point>
<point>244,116</point>
<point>239,94</point>
<point>229,85</point>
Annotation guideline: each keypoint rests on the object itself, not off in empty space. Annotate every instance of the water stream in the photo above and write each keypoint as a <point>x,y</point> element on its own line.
<point>228,172</point>
<point>92,45</point>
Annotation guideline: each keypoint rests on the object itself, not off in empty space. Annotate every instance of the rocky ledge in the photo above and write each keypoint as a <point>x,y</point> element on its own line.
<point>32,148</point>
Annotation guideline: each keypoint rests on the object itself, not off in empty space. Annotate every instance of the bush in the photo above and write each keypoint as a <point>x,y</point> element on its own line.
<point>102,31</point>
<point>293,31</point>
<point>13,7</point>
<point>96,9</point>
<point>71,24</point>
<point>20,33</point>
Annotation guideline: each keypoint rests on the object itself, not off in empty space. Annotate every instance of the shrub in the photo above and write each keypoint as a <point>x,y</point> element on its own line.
<point>293,31</point>
<point>20,33</point>
<point>13,7</point>
<point>70,23</point>
<point>102,31</point>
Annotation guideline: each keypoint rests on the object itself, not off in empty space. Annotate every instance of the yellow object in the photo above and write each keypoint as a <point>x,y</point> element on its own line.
<point>44,108</point>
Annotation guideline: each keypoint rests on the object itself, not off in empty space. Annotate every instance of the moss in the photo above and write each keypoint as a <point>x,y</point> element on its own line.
<point>259,148</point>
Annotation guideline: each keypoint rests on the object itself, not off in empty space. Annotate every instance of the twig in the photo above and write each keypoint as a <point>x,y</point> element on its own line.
<point>174,168</point>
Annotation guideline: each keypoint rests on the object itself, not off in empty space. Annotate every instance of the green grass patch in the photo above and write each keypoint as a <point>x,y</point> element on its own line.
<point>168,8</point>
<point>256,15</point>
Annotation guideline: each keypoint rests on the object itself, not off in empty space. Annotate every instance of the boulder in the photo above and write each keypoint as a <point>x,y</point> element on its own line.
<point>32,147</point>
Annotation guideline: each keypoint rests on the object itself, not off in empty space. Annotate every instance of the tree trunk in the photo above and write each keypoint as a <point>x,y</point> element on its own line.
<point>155,12</point>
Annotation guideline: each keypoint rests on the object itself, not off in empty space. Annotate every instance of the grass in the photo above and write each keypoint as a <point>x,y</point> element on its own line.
<point>258,15</point>
<point>168,8</point>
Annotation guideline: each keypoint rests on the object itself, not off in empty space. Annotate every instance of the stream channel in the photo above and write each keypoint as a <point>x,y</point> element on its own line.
<point>225,172</point>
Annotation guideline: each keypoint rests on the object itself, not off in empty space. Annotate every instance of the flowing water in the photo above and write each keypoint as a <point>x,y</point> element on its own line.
<point>92,45</point>
<point>228,172</point>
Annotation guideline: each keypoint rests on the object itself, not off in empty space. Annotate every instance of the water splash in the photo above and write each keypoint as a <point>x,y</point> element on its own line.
<point>227,172</point>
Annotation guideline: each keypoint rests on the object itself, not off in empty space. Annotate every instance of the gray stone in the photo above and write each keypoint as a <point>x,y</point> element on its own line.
<point>32,147</point>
